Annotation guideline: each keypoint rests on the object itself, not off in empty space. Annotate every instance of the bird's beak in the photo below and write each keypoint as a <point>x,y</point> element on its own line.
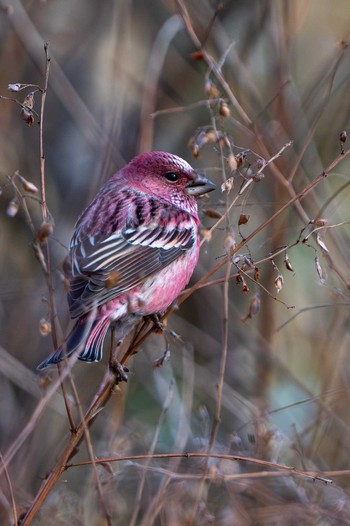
<point>199,185</point>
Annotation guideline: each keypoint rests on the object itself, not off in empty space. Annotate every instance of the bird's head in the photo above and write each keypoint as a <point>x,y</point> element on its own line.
<point>167,177</point>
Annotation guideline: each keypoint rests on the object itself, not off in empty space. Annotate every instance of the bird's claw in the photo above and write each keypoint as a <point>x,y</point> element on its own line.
<point>119,371</point>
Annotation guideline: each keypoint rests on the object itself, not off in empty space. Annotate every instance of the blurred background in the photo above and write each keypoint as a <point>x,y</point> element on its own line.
<point>124,77</point>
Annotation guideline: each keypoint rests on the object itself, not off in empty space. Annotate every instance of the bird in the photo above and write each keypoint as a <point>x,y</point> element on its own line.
<point>133,250</point>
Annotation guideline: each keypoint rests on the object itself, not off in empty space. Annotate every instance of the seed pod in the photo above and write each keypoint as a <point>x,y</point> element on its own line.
<point>206,136</point>
<point>206,234</point>
<point>343,136</point>
<point>14,87</point>
<point>27,109</point>
<point>214,214</point>
<point>258,177</point>
<point>319,270</point>
<point>243,219</point>
<point>240,158</point>
<point>210,89</point>
<point>12,207</point>
<point>227,185</point>
<point>260,163</point>
<point>245,287</point>
<point>161,361</point>
<point>45,231</point>
<point>322,244</point>
<point>232,162</point>
<point>287,263</point>
<point>319,221</point>
<point>44,327</point>
<point>257,274</point>
<point>224,109</point>
<point>279,282</point>
<point>229,243</point>
<point>28,186</point>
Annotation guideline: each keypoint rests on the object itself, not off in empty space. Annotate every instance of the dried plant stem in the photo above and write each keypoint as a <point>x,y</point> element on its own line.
<point>151,452</point>
<point>261,227</point>
<point>41,139</point>
<point>155,66</point>
<point>211,63</point>
<point>12,497</point>
<point>313,475</point>
<point>103,394</point>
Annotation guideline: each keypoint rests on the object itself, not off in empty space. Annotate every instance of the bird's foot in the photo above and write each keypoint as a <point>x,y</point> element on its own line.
<point>118,370</point>
<point>158,325</point>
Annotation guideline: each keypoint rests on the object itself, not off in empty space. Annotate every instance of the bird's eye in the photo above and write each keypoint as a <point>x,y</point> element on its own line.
<point>172,177</point>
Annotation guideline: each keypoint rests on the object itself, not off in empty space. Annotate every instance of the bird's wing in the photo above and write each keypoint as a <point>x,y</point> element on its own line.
<point>106,265</point>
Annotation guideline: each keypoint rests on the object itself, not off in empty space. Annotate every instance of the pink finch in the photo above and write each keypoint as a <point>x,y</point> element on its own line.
<point>133,251</point>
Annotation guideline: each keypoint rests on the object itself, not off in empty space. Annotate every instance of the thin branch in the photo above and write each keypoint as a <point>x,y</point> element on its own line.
<point>137,500</point>
<point>12,497</point>
<point>313,475</point>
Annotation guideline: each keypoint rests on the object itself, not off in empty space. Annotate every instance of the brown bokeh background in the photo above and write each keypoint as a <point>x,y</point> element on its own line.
<point>116,68</point>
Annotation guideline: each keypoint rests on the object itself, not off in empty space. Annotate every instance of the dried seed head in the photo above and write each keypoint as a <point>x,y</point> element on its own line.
<point>210,136</point>
<point>232,162</point>
<point>257,274</point>
<point>240,158</point>
<point>204,137</point>
<point>258,177</point>
<point>319,221</point>
<point>44,327</point>
<point>322,244</point>
<point>279,282</point>
<point>245,287</point>
<point>287,263</point>
<point>210,89</point>
<point>161,361</point>
<point>224,109</point>
<point>28,186</point>
<point>206,233</point>
<point>14,87</point>
<point>44,232</point>
<point>29,100</point>
<point>319,270</point>
<point>12,207</point>
<point>194,149</point>
<point>260,163</point>
<point>27,116</point>
<point>27,109</point>
<point>229,243</point>
<point>243,219</point>
<point>227,185</point>
<point>343,136</point>
<point>214,214</point>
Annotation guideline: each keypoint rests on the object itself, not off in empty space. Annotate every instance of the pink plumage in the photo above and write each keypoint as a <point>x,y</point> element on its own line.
<point>133,251</point>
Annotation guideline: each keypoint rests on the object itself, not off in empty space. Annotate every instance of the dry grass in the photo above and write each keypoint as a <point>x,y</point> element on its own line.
<point>247,423</point>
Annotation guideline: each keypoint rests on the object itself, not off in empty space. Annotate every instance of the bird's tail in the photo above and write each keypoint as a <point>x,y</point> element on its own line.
<point>86,338</point>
